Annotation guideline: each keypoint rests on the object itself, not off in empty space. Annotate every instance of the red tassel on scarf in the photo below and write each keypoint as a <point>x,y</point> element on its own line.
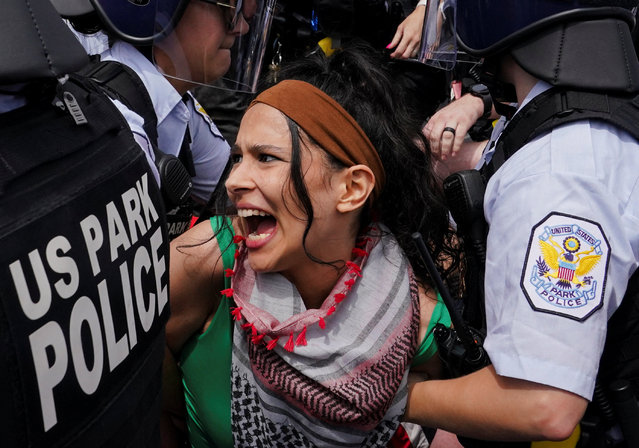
<point>359,252</point>
<point>354,268</point>
<point>229,272</point>
<point>271,345</point>
<point>237,313</point>
<point>227,292</point>
<point>301,338</point>
<point>256,339</point>
<point>251,326</point>
<point>238,239</point>
<point>330,311</point>
<point>322,323</point>
<point>339,297</point>
<point>290,344</point>
<point>362,242</point>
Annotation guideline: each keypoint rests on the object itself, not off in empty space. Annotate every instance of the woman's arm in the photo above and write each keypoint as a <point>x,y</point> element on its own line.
<point>408,36</point>
<point>196,279</point>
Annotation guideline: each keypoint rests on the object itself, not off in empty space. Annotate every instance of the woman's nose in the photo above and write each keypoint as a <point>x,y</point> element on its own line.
<point>239,179</point>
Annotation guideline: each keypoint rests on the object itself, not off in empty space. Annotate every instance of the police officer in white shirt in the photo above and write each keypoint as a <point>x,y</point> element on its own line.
<point>563,216</point>
<point>173,46</point>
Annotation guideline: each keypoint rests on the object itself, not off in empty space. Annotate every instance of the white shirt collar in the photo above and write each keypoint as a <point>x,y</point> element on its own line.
<point>538,88</point>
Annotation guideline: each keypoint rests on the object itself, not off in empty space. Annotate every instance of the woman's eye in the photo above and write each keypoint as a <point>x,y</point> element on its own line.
<point>267,158</point>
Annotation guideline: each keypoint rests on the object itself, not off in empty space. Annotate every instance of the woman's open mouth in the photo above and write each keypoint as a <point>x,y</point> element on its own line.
<point>259,225</point>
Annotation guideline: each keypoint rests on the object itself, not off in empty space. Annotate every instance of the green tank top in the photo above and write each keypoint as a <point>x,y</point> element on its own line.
<point>428,347</point>
<point>205,362</point>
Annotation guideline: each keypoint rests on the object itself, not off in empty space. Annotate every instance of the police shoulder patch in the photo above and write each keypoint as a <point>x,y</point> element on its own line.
<point>566,266</point>
<point>199,109</point>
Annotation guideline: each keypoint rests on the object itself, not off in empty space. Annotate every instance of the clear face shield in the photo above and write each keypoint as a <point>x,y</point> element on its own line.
<point>198,42</point>
<point>439,39</point>
<point>439,47</point>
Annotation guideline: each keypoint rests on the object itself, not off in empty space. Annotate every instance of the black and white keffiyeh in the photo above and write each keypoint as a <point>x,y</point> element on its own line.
<point>333,376</point>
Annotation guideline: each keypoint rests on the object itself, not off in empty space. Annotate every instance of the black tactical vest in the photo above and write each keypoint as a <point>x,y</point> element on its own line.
<point>83,277</point>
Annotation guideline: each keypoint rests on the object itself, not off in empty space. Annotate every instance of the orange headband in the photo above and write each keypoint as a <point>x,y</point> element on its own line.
<point>326,122</point>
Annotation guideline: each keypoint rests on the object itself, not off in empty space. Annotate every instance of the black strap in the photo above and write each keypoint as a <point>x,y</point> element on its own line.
<point>122,83</point>
<point>556,107</point>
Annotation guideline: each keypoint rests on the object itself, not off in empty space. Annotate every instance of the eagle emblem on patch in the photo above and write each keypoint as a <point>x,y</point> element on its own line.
<point>566,266</point>
<point>201,111</point>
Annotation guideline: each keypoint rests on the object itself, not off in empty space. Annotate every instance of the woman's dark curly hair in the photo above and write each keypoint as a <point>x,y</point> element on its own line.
<point>411,200</point>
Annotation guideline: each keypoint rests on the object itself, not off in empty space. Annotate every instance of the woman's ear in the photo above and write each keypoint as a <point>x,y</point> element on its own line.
<point>358,182</point>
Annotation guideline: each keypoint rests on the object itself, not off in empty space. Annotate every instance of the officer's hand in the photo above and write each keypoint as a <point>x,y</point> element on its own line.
<point>447,128</point>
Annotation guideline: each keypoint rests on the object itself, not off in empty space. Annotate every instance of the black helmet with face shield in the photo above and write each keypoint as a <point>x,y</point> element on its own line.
<point>574,43</point>
<point>151,22</point>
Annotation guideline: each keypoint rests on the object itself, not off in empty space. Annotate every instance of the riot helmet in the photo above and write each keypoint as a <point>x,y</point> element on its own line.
<point>573,43</point>
<point>155,27</point>
<point>486,27</point>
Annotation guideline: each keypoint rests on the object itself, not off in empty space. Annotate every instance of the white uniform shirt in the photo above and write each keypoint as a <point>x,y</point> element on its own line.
<point>209,148</point>
<point>563,213</point>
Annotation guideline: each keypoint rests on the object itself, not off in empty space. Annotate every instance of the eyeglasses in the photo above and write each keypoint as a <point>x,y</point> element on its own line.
<point>232,10</point>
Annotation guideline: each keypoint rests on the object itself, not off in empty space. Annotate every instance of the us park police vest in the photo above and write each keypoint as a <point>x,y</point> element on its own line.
<point>83,277</point>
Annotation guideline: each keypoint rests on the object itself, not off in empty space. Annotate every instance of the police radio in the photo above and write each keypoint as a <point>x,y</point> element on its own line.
<point>464,193</point>
<point>174,177</point>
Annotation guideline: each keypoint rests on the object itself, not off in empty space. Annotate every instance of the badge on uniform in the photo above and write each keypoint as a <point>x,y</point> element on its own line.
<point>201,111</point>
<point>207,118</point>
<point>566,266</point>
